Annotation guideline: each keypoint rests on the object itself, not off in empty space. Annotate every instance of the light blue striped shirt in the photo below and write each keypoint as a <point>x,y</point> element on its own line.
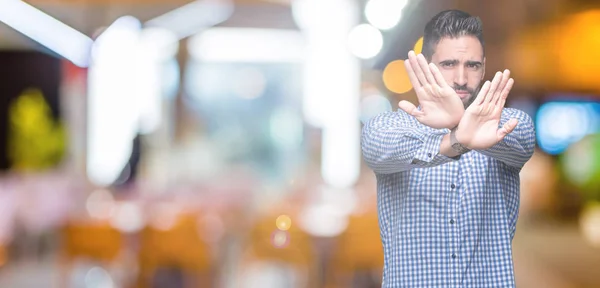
<point>445,222</point>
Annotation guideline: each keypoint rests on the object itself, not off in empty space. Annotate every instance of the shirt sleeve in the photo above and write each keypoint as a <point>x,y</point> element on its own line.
<point>517,147</point>
<point>393,142</point>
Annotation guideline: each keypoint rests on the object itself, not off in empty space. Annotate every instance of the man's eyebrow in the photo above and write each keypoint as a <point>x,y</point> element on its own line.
<point>476,63</point>
<point>449,62</point>
<point>455,62</point>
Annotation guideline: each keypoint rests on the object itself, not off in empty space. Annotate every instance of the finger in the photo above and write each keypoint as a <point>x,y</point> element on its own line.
<point>412,58</point>
<point>508,127</point>
<point>493,87</point>
<point>439,79</point>
<point>504,95</point>
<point>482,92</point>
<point>507,88</point>
<point>426,70</point>
<point>505,78</point>
<point>501,86</point>
<point>410,108</point>
<point>411,75</point>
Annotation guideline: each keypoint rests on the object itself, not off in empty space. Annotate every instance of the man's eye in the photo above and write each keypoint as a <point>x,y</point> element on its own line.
<point>447,64</point>
<point>472,65</point>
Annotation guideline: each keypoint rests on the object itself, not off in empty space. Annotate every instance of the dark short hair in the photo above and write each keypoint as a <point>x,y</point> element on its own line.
<point>451,24</point>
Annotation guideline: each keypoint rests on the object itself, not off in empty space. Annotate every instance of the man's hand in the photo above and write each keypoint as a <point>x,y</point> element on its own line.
<point>440,107</point>
<point>478,128</point>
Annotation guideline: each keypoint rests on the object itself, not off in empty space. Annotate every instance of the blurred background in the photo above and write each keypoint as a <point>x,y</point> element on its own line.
<point>216,143</point>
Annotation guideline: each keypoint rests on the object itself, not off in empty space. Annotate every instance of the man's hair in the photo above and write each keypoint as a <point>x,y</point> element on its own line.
<point>450,24</point>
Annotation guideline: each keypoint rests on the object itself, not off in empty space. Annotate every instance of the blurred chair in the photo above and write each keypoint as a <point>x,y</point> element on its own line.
<point>177,253</point>
<point>95,241</point>
<point>275,257</point>
<point>357,259</point>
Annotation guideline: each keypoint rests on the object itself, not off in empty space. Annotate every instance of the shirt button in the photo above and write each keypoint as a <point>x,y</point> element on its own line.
<point>453,256</point>
<point>452,186</point>
<point>451,221</point>
<point>429,155</point>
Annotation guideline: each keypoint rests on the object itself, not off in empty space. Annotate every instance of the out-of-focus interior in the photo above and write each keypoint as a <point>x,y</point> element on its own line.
<point>216,143</point>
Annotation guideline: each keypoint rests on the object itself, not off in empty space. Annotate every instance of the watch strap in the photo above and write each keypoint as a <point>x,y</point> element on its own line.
<point>457,146</point>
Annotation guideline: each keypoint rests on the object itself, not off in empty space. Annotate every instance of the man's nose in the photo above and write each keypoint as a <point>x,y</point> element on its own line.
<point>460,77</point>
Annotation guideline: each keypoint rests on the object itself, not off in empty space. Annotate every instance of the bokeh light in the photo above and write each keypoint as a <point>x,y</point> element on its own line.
<point>100,204</point>
<point>280,239</point>
<point>561,123</point>
<point>578,164</point>
<point>395,77</point>
<point>590,223</point>
<point>418,48</point>
<point>384,14</point>
<point>365,41</point>
<point>582,28</point>
<point>581,165</point>
<point>98,278</point>
<point>323,220</point>
<point>128,217</point>
<point>164,216</point>
<point>283,222</point>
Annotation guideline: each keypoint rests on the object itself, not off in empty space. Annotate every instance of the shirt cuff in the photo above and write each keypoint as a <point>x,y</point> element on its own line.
<point>430,150</point>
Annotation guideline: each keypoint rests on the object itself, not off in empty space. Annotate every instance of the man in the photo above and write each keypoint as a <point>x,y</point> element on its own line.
<point>448,170</point>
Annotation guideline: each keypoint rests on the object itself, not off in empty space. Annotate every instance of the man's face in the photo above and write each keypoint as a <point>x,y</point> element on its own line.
<point>462,64</point>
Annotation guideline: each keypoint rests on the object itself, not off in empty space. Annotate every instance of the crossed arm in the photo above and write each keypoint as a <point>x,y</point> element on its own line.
<point>394,142</point>
<point>517,147</point>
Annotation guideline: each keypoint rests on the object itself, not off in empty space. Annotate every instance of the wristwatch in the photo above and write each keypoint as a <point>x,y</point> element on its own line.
<point>456,146</point>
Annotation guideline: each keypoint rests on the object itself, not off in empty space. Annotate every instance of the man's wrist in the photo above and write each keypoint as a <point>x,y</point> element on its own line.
<point>456,145</point>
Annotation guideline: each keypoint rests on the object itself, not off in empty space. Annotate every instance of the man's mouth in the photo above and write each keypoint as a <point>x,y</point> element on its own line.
<point>462,94</point>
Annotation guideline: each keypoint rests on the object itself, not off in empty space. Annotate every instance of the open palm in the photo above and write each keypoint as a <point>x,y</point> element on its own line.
<point>440,106</point>
<point>478,129</point>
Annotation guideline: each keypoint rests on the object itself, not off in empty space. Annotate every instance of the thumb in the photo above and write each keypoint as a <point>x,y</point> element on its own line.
<point>508,127</point>
<point>410,108</point>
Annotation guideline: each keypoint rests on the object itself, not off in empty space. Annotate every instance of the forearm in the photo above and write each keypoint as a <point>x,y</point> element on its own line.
<point>513,151</point>
<point>393,143</point>
<point>517,147</point>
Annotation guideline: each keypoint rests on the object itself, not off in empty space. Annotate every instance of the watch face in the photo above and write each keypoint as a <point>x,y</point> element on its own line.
<point>459,148</point>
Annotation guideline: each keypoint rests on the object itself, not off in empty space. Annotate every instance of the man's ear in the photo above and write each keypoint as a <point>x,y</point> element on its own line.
<point>483,67</point>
